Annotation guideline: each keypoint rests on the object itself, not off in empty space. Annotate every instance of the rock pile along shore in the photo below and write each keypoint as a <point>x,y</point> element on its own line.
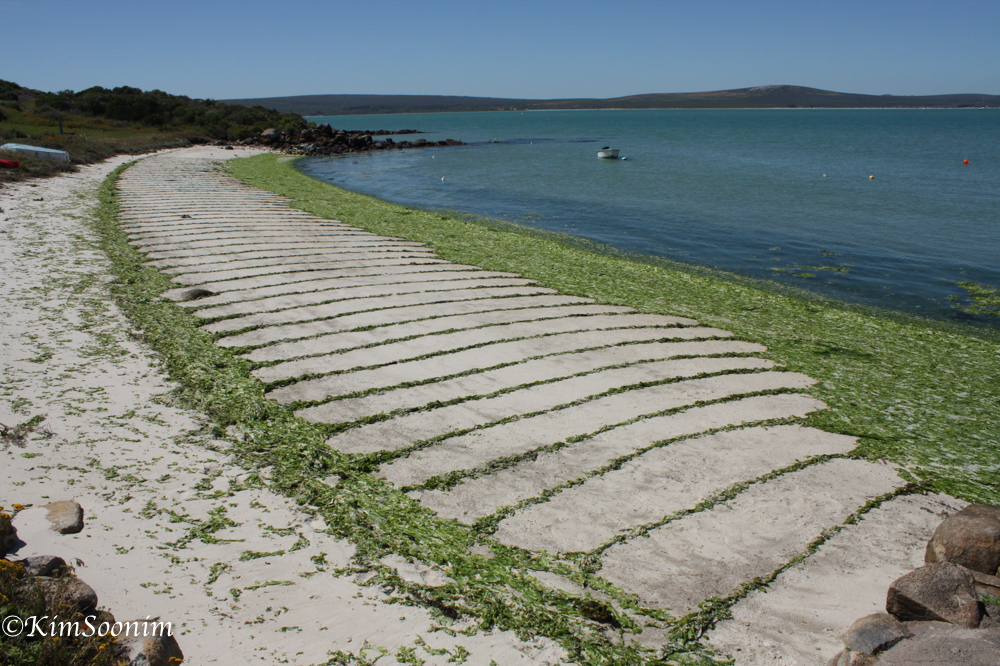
<point>325,140</point>
<point>945,613</point>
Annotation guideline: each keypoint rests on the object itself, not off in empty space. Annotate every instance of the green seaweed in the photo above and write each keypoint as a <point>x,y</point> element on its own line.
<point>984,300</point>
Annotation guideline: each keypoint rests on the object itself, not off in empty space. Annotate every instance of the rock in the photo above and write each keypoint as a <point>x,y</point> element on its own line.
<point>940,644</point>
<point>874,633</point>
<point>943,591</point>
<point>148,649</point>
<point>44,565</point>
<point>66,516</point>
<point>598,612</point>
<point>987,585</point>
<point>8,534</point>
<point>195,294</point>
<point>270,134</point>
<point>970,537</point>
<point>991,615</point>
<point>66,591</point>
<point>848,658</point>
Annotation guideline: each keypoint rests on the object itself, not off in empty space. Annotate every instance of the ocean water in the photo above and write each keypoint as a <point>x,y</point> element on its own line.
<point>782,194</point>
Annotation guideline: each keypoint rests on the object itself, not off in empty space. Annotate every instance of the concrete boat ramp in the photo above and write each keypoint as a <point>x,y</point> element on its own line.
<point>571,425</point>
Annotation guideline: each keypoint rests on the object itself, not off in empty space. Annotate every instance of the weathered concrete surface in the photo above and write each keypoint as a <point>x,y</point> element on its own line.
<point>845,580</point>
<point>710,553</point>
<point>587,424</point>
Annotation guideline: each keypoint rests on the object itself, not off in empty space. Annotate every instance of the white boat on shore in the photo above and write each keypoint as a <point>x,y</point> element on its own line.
<point>607,153</point>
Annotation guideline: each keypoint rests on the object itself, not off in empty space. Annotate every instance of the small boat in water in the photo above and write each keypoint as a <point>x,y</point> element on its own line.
<point>608,153</point>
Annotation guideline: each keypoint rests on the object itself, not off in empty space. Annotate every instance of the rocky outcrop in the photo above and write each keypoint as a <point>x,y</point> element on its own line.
<point>970,537</point>
<point>942,591</point>
<point>875,633</point>
<point>325,140</point>
<point>945,613</point>
<point>44,565</point>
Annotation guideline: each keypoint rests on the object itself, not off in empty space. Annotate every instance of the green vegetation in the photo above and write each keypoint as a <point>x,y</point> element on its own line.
<point>984,300</point>
<point>96,123</point>
<point>920,393</point>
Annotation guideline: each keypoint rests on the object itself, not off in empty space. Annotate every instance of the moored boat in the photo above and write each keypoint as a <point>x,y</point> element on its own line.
<point>608,153</point>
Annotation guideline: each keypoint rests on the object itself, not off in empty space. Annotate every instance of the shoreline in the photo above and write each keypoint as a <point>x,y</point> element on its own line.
<point>888,359</point>
<point>848,353</point>
<point>705,108</point>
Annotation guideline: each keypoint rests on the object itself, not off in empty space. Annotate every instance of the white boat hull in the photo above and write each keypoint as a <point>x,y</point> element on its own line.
<point>608,154</point>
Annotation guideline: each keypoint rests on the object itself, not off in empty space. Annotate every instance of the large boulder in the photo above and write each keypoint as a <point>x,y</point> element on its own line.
<point>151,647</point>
<point>270,134</point>
<point>874,633</point>
<point>943,591</point>
<point>848,658</point>
<point>44,565</point>
<point>65,516</point>
<point>67,592</point>
<point>970,537</point>
<point>939,644</point>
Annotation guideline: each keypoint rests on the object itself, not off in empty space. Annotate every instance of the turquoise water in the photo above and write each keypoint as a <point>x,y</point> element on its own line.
<point>776,194</point>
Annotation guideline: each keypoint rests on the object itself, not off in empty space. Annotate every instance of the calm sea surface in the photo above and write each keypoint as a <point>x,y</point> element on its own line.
<point>775,194</point>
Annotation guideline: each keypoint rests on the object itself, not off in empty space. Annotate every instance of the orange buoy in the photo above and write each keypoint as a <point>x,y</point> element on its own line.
<point>965,161</point>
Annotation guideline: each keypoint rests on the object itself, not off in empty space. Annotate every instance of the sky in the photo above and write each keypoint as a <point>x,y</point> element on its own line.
<point>537,49</point>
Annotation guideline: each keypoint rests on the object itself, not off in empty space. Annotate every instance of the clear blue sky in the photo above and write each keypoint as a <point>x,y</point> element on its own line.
<point>502,48</point>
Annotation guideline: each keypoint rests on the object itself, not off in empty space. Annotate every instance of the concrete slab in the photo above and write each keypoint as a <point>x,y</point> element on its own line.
<point>355,305</point>
<point>321,361</point>
<point>712,552</point>
<point>479,447</point>
<point>237,248</point>
<point>200,274</point>
<point>477,411</point>
<point>473,359</point>
<point>393,316</point>
<point>293,277</point>
<point>341,282</point>
<point>645,489</point>
<point>289,301</point>
<point>406,429</point>
<point>801,616</point>
<point>290,256</point>
<point>335,342</point>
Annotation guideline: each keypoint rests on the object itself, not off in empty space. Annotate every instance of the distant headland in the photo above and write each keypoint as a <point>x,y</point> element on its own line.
<point>760,97</point>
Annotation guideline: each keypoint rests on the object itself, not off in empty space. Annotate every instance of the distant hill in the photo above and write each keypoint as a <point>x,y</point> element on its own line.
<point>760,97</point>
<point>342,105</point>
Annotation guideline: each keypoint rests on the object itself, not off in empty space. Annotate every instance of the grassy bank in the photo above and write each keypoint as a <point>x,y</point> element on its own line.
<point>923,394</point>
